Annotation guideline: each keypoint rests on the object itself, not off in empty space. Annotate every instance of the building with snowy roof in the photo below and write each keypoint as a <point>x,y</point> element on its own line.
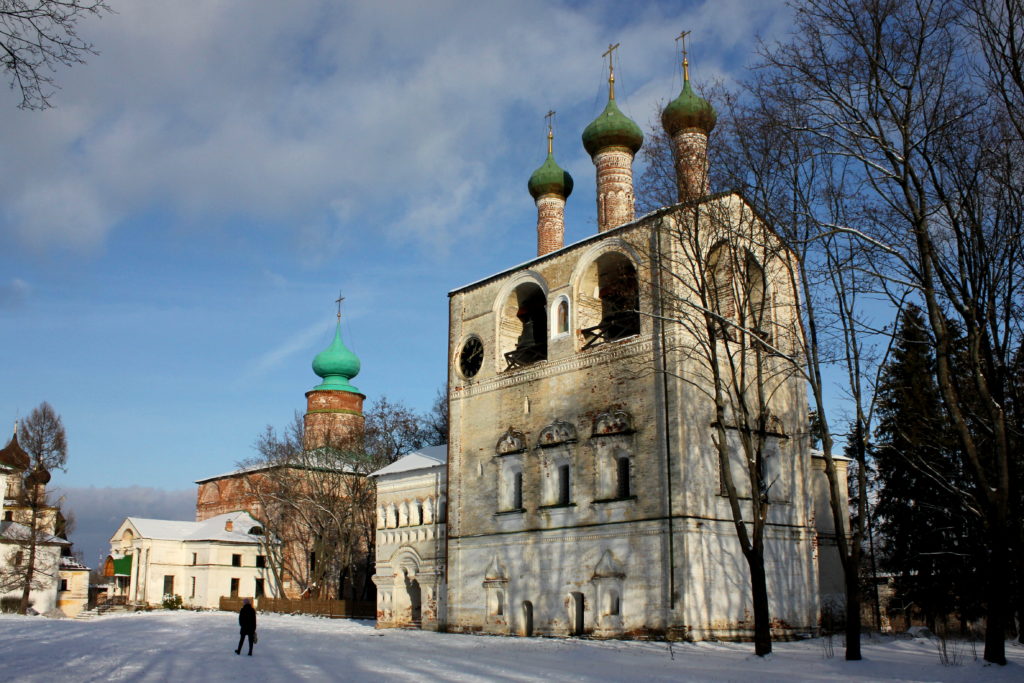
<point>200,561</point>
<point>411,539</point>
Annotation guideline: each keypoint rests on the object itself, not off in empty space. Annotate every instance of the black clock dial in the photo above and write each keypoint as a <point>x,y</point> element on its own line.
<point>471,357</point>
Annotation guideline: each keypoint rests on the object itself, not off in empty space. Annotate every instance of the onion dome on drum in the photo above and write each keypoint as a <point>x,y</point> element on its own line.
<point>689,110</point>
<point>336,365</point>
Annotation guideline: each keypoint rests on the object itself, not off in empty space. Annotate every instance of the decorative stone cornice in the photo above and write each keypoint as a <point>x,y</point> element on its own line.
<point>634,346</point>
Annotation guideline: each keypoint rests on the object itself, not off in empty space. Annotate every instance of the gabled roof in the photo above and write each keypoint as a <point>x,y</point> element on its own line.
<point>13,532</point>
<point>420,460</point>
<point>212,529</point>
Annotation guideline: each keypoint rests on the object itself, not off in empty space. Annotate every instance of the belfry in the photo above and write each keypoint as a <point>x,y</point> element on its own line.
<point>581,491</point>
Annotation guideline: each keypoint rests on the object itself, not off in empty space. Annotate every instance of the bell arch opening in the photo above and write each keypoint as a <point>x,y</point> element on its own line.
<point>609,300</point>
<point>523,332</point>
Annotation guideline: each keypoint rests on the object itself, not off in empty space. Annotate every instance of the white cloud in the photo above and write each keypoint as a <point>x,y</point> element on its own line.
<point>403,113</point>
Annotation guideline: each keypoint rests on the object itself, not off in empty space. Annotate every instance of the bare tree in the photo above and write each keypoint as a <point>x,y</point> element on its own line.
<point>44,440</point>
<point>36,36</point>
<point>314,504</point>
<point>436,421</point>
<point>713,261</point>
<point>888,85</point>
<point>318,505</point>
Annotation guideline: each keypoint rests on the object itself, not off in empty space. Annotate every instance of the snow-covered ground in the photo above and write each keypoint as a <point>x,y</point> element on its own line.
<point>190,646</point>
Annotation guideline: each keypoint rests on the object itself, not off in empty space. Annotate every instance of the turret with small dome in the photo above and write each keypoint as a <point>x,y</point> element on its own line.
<point>334,408</point>
<point>612,140</point>
<point>550,186</point>
<point>688,120</point>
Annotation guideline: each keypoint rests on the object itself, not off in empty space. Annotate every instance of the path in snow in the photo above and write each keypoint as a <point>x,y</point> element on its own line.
<point>191,646</point>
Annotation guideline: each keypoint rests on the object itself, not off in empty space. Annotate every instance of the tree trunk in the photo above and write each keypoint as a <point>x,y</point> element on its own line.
<point>31,568</point>
<point>853,606</point>
<point>997,591</point>
<point>759,593</point>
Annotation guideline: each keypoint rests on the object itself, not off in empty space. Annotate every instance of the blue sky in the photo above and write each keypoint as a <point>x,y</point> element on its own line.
<point>174,232</point>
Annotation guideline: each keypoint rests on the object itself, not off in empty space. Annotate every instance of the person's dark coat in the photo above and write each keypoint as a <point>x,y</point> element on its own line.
<point>247,619</point>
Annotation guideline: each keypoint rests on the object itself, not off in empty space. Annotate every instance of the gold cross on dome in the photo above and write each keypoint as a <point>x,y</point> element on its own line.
<point>550,118</point>
<point>611,69</point>
<point>338,301</point>
<point>686,63</point>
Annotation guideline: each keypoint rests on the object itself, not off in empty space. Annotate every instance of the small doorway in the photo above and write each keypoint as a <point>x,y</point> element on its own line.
<point>577,613</point>
<point>527,618</point>
<point>415,602</point>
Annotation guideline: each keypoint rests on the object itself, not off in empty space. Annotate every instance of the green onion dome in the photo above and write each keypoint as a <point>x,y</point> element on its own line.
<point>550,179</point>
<point>612,128</point>
<point>689,110</point>
<point>336,365</point>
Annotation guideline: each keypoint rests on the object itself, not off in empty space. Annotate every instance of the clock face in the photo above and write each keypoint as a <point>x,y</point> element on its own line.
<point>471,357</point>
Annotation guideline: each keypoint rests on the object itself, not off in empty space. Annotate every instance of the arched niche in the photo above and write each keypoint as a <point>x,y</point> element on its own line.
<point>523,325</point>
<point>608,299</point>
<point>737,291</point>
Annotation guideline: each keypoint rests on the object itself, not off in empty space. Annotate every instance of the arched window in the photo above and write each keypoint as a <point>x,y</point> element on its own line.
<point>612,294</point>
<point>524,326</point>
<point>736,291</point>
<point>563,316</point>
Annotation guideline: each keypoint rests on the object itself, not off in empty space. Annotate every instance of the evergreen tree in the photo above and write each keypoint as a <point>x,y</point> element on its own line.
<point>931,528</point>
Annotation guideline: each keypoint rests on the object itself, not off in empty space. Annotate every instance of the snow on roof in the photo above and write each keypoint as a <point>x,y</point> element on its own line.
<point>19,533</point>
<point>70,563</point>
<point>818,453</point>
<point>419,460</point>
<point>212,529</point>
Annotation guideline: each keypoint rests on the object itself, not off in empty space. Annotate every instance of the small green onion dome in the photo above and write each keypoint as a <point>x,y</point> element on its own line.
<point>550,179</point>
<point>689,110</point>
<point>612,128</point>
<point>336,365</point>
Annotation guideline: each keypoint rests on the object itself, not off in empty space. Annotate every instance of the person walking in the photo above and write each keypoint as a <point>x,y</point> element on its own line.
<point>247,622</point>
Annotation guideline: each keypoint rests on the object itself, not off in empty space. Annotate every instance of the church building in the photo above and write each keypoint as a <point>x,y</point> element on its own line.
<point>584,489</point>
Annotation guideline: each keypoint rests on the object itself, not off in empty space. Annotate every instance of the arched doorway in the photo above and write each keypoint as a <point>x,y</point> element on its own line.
<point>527,618</point>
<point>412,586</point>
<point>577,605</point>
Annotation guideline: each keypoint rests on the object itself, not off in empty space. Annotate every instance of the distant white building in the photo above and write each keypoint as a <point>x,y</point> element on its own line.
<point>200,561</point>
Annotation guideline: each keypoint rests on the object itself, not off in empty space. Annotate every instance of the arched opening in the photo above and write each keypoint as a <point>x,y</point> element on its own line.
<point>610,292</point>
<point>563,316</point>
<point>412,587</point>
<point>577,606</point>
<point>527,618</point>
<point>524,326</point>
<point>737,291</point>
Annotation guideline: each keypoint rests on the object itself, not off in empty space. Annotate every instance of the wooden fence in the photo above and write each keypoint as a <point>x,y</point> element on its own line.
<point>335,609</point>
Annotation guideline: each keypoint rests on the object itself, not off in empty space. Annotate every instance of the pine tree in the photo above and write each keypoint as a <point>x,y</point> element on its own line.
<point>931,529</point>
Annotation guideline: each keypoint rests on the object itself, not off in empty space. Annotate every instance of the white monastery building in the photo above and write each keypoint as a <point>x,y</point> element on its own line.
<point>199,561</point>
